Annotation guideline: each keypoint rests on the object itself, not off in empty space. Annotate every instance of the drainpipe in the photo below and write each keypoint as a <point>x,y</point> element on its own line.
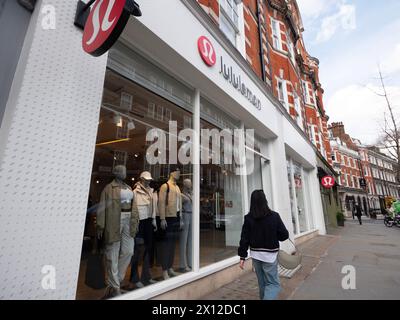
<point>260,42</point>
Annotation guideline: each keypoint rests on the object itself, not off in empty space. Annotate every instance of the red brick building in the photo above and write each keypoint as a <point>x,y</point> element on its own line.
<point>269,35</point>
<point>348,162</point>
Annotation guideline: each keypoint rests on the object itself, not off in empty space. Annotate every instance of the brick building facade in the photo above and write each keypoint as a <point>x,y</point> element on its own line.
<point>347,162</point>
<point>367,176</point>
<point>276,52</point>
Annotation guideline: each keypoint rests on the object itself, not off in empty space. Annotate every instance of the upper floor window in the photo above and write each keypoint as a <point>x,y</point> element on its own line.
<point>312,133</point>
<point>282,93</point>
<point>306,93</point>
<point>276,34</point>
<point>297,106</point>
<point>229,19</point>
<point>355,182</point>
<point>290,48</point>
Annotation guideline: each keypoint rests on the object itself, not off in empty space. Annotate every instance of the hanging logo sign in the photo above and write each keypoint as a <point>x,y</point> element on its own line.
<point>328,182</point>
<point>104,25</point>
<point>207,51</point>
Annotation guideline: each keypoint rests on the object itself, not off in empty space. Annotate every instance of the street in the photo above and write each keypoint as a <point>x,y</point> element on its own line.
<point>372,249</point>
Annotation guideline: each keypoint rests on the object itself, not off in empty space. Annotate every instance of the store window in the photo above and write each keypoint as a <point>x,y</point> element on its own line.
<point>258,169</point>
<point>299,198</point>
<point>221,208</point>
<point>292,198</point>
<point>128,192</point>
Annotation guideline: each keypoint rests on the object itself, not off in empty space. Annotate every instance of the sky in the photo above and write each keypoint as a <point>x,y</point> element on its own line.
<point>351,38</point>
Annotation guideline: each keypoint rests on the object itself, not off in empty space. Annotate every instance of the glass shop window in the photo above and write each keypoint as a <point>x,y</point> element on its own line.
<point>221,210</point>
<point>138,229</point>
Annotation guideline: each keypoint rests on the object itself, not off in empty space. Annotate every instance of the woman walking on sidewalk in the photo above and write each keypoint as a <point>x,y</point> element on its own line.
<point>262,230</point>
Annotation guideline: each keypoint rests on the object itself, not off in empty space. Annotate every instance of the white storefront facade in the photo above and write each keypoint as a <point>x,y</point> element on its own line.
<point>55,153</point>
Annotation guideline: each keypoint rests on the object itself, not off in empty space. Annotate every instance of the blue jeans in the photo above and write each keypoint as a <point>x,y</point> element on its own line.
<point>268,279</point>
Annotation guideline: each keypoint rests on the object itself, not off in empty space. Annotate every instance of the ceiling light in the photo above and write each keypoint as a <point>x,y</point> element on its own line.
<point>131,125</point>
<point>118,120</point>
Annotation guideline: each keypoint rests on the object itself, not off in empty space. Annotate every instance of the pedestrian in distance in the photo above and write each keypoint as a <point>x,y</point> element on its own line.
<point>358,213</point>
<point>262,230</point>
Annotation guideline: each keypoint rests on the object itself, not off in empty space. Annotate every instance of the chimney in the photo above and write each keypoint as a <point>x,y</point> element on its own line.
<point>338,129</point>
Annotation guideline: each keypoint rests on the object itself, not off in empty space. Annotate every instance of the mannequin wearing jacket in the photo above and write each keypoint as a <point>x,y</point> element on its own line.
<point>185,241</point>
<point>117,224</point>
<point>170,207</point>
<point>145,206</point>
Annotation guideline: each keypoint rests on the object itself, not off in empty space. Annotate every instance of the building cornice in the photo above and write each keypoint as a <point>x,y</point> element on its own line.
<point>380,155</point>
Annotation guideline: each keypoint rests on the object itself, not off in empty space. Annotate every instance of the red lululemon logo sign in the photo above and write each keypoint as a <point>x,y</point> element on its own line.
<point>104,25</point>
<point>328,182</point>
<point>207,51</point>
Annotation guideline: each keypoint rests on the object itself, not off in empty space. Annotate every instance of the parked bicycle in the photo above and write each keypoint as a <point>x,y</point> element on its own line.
<point>391,220</point>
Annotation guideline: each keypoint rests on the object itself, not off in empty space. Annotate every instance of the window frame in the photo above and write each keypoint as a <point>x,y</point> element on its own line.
<point>276,34</point>
<point>228,19</point>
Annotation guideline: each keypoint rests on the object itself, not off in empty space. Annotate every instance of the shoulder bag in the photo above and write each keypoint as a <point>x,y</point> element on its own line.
<point>290,261</point>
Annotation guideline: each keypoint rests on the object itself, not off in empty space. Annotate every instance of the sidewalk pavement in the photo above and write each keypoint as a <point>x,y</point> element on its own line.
<point>371,248</point>
<point>246,287</point>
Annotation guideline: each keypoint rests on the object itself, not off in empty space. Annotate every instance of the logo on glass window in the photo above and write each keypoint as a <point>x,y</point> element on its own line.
<point>207,51</point>
<point>328,182</point>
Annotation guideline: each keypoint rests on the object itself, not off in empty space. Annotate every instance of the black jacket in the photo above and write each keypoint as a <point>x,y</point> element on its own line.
<point>262,234</point>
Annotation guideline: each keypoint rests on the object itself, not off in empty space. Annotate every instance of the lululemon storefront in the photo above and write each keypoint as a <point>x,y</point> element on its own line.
<point>136,167</point>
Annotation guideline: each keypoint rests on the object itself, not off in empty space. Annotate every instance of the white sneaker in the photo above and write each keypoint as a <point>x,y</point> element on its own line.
<point>139,285</point>
<point>172,273</point>
<point>165,275</point>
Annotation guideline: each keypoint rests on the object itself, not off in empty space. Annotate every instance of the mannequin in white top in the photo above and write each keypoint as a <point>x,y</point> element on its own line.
<point>145,204</point>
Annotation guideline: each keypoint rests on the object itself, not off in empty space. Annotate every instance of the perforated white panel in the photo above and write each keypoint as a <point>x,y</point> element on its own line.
<point>47,161</point>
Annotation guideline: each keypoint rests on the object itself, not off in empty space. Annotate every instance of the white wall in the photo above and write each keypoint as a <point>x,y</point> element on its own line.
<point>46,161</point>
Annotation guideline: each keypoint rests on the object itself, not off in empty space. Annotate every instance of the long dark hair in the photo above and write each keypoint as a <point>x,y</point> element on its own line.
<point>259,205</point>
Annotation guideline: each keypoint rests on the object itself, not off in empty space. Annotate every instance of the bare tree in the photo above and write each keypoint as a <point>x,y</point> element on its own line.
<point>390,140</point>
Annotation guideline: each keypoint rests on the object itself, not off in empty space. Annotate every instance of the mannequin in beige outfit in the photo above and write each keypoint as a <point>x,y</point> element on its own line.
<point>118,225</point>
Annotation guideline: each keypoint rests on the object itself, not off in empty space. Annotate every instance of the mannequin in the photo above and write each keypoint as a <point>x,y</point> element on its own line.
<point>118,225</point>
<point>170,207</point>
<point>185,241</point>
<point>145,205</point>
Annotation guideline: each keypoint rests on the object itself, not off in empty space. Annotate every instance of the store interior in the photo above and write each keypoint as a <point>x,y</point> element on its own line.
<point>127,113</point>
